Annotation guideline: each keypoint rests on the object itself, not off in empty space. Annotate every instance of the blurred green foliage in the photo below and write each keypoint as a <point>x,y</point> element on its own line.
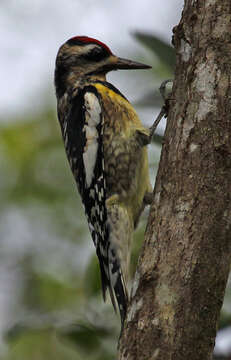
<point>161,49</point>
<point>56,306</point>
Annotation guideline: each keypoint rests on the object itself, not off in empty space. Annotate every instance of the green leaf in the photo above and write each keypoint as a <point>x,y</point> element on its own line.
<point>92,283</point>
<point>86,337</point>
<point>39,344</point>
<point>49,293</point>
<point>90,340</point>
<point>162,50</point>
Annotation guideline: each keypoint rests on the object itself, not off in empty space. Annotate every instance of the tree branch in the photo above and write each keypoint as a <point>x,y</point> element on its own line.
<point>185,260</point>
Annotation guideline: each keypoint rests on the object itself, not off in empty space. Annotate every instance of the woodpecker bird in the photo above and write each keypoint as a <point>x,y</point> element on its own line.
<point>105,144</point>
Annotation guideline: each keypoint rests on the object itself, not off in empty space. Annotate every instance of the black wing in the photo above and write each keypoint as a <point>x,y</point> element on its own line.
<point>83,138</point>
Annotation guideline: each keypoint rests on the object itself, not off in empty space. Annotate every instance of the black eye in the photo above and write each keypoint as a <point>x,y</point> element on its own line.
<point>96,54</point>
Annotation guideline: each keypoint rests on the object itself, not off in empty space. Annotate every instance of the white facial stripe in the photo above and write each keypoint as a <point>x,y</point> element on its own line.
<point>93,111</point>
<point>86,48</point>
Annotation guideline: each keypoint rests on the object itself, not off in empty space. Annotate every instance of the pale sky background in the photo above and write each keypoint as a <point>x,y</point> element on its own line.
<point>33,30</point>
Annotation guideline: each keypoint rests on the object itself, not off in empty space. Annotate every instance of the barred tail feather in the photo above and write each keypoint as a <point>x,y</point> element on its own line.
<point>114,282</point>
<point>121,296</point>
<point>120,231</point>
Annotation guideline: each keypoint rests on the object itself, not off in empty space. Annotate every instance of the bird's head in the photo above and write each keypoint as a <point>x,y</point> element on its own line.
<point>82,56</point>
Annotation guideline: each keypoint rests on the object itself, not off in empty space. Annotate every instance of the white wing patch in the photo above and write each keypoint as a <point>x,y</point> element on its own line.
<point>93,112</point>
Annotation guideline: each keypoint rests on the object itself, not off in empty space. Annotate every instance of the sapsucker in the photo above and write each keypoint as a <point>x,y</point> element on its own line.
<point>105,144</point>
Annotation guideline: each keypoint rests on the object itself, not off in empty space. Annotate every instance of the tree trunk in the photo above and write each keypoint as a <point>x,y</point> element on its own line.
<point>185,260</point>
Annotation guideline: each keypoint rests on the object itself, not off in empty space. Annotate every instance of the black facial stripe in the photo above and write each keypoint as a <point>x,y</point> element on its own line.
<point>95,54</point>
<point>73,42</point>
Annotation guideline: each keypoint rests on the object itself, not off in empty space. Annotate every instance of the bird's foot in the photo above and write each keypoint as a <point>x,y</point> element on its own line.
<point>165,108</point>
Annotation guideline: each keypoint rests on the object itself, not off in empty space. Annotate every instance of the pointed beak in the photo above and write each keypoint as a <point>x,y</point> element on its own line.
<point>126,64</point>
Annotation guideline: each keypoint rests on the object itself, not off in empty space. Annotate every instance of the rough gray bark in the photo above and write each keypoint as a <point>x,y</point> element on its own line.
<point>183,268</point>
